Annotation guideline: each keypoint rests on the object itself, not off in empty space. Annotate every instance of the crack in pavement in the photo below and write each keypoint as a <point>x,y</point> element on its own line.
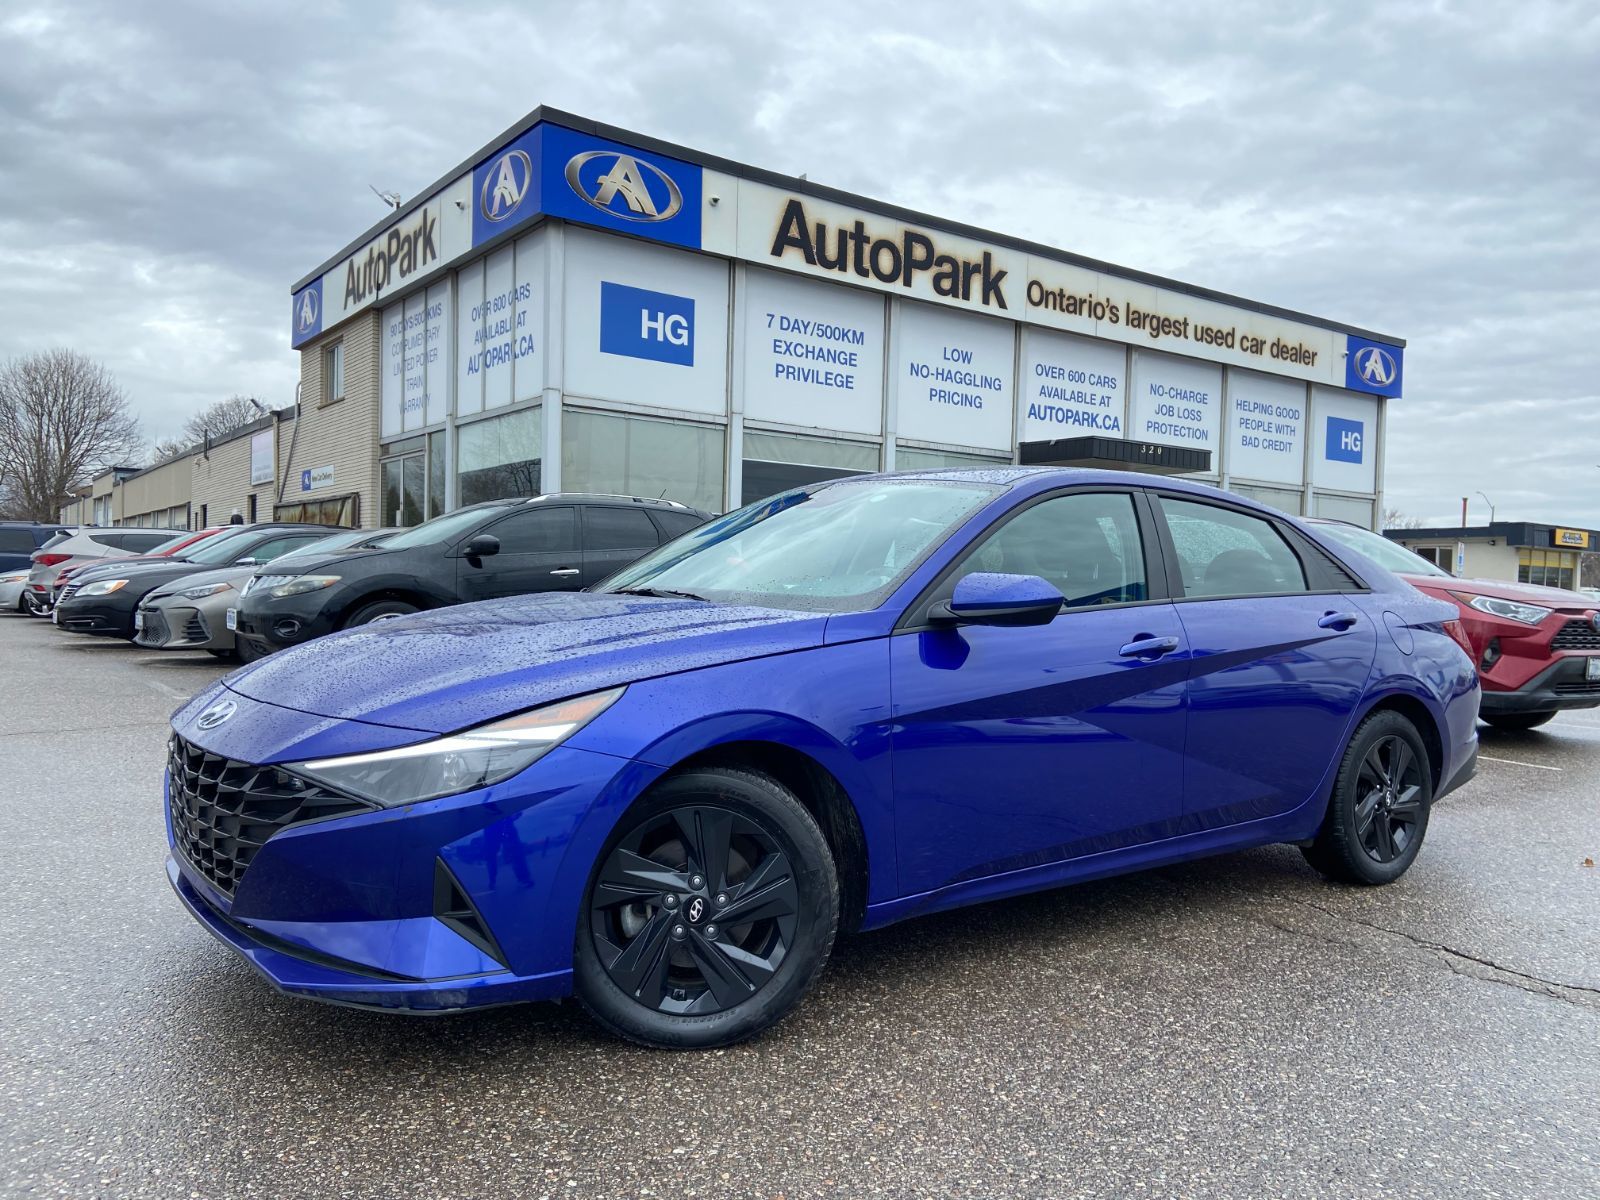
<point>1457,960</point>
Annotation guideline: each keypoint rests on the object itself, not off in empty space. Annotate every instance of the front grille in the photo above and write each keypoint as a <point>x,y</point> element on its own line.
<point>224,811</point>
<point>1584,687</point>
<point>1576,635</point>
<point>68,592</point>
<point>154,631</point>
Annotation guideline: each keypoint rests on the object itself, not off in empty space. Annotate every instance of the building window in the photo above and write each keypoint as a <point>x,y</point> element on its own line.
<point>911,458</point>
<point>499,457</point>
<point>402,498</point>
<point>636,456</point>
<point>335,510</point>
<point>1283,499</point>
<point>333,373</point>
<point>1442,557</point>
<point>776,462</point>
<point>1549,568</point>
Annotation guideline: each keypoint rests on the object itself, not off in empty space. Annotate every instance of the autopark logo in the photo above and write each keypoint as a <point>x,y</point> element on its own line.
<point>1376,366</point>
<point>624,186</point>
<point>308,311</point>
<point>505,185</point>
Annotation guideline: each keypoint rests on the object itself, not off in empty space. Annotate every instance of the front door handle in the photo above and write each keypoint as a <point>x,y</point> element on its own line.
<point>1336,620</point>
<point>566,571</point>
<point>1149,647</point>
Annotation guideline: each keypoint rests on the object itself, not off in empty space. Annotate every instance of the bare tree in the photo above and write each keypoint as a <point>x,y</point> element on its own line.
<point>219,418</point>
<point>62,419</point>
<point>1393,518</point>
<point>166,448</point>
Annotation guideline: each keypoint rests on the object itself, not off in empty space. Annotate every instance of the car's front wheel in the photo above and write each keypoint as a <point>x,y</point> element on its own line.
<point>1513,722</point>
<point>1378,812</point>
<point>379,610</point>
<point>710,913</point>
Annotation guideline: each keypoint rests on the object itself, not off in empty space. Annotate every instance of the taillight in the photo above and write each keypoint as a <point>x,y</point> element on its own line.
<point>1458,634</point>
<point>48,560</point>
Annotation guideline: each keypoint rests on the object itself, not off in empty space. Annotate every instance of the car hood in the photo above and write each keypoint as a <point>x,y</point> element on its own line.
<point>460,666</point>
<point>233,575</point>
<point>1500,589</point>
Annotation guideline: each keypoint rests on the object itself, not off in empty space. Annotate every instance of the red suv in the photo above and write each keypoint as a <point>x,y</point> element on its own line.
<point>1537,648</point>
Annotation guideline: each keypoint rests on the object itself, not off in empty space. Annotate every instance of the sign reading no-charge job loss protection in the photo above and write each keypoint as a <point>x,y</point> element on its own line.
<point>954,377</point>
<point>813,353</point>
<point>1176,402</point>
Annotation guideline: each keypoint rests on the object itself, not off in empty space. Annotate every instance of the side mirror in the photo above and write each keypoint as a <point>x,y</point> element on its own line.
<point>983,598</point>
<point>481,546</point>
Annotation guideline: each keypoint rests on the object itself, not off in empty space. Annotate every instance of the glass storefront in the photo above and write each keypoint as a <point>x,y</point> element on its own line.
<point>641,456</point>
<point>1551,568</point>
<point>913,458</point>
<point>498,457</point>
<point>776,462</point>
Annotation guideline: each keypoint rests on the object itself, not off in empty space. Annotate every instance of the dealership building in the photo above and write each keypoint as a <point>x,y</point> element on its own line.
<point>1521,551</point>
<point>580,308</point>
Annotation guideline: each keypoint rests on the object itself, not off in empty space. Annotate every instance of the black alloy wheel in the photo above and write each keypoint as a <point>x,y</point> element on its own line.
<point>1378,811</point>
<point>1390,807</point>
<point>711,913</point>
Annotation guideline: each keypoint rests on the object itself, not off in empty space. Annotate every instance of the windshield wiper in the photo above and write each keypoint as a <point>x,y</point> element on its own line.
<point>668,593</point>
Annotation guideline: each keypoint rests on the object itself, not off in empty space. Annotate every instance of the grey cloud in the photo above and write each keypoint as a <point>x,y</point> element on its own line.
<point>1426,170</point>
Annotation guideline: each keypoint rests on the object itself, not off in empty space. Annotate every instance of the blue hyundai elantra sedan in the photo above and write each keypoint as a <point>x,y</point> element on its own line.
<point>846,705</point>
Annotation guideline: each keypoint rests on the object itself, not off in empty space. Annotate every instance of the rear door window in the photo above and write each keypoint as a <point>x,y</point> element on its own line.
<point>1224,552</point>
<point>16,541</point>
<point>607,528</point>
<point>141,542</point>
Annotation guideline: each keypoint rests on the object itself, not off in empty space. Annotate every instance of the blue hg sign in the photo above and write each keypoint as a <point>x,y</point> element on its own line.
<point>1344,442</point>
<point>579,177</point>
<point>639,323</point>
<point>1373,367</point>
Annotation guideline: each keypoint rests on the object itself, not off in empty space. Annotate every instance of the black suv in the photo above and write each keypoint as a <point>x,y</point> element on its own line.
<point>18,541</point>
<point>559,542</point>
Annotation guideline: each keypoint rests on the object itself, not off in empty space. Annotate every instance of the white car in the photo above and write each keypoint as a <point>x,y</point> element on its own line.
<point>11,589</point>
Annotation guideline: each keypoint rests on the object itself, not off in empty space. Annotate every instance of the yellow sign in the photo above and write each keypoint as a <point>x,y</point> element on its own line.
<point>1577,538</point>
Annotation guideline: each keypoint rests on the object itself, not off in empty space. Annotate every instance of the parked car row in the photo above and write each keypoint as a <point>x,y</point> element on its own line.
<point>248,590</point>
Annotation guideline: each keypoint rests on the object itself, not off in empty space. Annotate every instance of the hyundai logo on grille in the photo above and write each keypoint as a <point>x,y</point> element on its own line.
<point>504,186</point>
<point>216,714</point>
<point>627,187</point>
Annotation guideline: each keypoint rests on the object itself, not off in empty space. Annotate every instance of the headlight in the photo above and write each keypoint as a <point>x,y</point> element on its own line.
<point>1528,614</point>
<point>210,589</point>
<point>302,584</point>
<point>102,587</point>
<point>458,762</point>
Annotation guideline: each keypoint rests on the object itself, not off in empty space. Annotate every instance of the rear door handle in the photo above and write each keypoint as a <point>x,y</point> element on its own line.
<point>566,571</point>
<point>1149,647</point>
<point>1336,620</point>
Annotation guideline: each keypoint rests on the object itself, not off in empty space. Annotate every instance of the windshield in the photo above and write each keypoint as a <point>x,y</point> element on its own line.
<point>832,548</point>
<point>441,529</point>
<point>219,549</point>
<point>337,541</point>
<point>1381,550</point>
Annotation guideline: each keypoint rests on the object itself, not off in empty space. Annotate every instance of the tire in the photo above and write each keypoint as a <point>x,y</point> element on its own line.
<point>246,650</point>
<point>1378,813</point>
<point>1515,721</point>
<point>368,613</point>
<point>650,955</point>
<point>36,608</point>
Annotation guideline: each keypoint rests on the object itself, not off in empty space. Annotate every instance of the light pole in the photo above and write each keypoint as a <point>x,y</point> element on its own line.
<point>1490,503</point>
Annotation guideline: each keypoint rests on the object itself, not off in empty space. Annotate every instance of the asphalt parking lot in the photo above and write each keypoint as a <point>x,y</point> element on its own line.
<point>1230,1027</point>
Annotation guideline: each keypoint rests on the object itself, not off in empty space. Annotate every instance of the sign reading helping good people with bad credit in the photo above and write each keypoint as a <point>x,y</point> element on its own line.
<point>1266,419</point>
<point>953,378</point>
<point>813,353</point>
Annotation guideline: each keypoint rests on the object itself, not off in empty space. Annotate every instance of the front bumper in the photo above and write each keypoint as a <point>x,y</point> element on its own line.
<point>181,627</point>
<point>103,616</point>
<point>1561,685</point>
<point>350,908</point>
<point>271,625</point>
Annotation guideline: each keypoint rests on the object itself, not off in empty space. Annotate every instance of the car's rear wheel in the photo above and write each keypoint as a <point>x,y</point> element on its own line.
<point>1515,721</point>
<point>710,913</point>
<point>37,607</point>
<point>1378,813</point>
<point>378,610</point>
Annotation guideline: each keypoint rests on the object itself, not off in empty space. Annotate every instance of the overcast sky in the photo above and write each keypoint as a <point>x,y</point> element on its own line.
<point>1430,171</point>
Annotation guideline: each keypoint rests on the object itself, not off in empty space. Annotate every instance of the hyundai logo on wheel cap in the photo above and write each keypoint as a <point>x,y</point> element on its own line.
<point>695,909</point>
<point>216,714</point>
